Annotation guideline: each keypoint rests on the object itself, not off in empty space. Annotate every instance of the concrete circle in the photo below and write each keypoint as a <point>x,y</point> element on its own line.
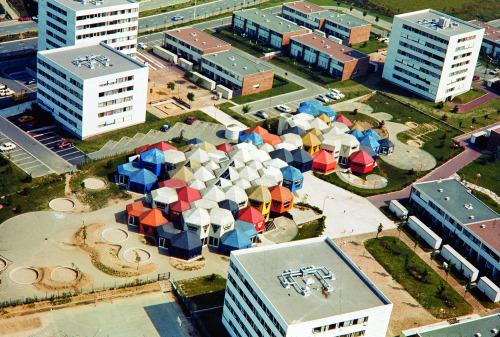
<point>24,275</point>
<point>94,183</point>
<point>114,235</point>
<point>62,204</point>
<point>414,143</point>
<point>130,255</point>
<point>64,274</point>
<point>374,177</point>
<point>3,264</point>
<point>411,124</point>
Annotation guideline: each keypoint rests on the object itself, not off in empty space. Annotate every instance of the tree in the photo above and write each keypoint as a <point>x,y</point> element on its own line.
<point>190,96</point>
<point>460,124</point>
<point>137,258</point>
<point>440,105</point>
<point>379,229</point>
<point>365,13</point>
<point>376,19</point>
<point>171,86</point>
<point>355,111</point>
<point>399,227</point>
<point>246,108</point>
<point>473,120</point>
<point>84,234</point>
<point>188,75</point>
<point>199,82</point>
<point>447,270</point>
<point>350,8</point>
<point>486,116</point>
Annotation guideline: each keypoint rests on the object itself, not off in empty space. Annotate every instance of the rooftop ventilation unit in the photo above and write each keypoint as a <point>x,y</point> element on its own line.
<point>483,226</point>
<point>231,58</point>
<point>468,206</point>
<point>440,190</point>
<point>91,61</point>
<point>287,279</point>
<point>447,198</point>
<point>471,217</point>
<point>193,34</point>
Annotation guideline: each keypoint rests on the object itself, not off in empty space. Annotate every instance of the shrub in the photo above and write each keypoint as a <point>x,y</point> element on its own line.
<point>109,164</point>
<point>440,105</point>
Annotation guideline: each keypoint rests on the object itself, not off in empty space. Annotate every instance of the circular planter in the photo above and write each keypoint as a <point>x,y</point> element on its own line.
<point>130,255</point>
<point>114,235</point>
<point>24,275</point>
<point>62,204</point>
<point>411,124</point>
<point>64,274</point>
<point>94,183</point>
<point>414,143</point>
<point>3,264</point>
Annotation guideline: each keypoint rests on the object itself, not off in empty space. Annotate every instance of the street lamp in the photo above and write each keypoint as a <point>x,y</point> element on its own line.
<point>453,148</point>
<point>420,169</point>
<point>477,177</point>
<point>375,183</point>
<point>324,202</point>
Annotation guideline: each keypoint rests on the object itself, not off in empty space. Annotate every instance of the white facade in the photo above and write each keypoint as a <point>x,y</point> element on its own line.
<point>257,304</point>
<point>64,23</point>
<point>89,101</point>
<point>432,54</point>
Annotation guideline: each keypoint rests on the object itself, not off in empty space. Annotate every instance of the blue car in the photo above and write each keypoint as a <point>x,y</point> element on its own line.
<point>165,128</point>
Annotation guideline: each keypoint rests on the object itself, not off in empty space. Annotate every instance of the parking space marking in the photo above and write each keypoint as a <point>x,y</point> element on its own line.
<point>71,154</point>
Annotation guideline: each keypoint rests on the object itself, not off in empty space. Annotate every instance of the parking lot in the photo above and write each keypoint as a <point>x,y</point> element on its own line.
<point>26,161</point>
<point>71,154</point>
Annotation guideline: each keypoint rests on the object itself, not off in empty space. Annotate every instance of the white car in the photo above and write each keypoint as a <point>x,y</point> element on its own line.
<point>494,72</point>
<point>142,45</point>
<point>332,96</point>
<point>283,108</point>
<point>7,146</point>
<point>261,114</point>
<point>323,98</point>
<point>337,92</point>
<point>178,18</point>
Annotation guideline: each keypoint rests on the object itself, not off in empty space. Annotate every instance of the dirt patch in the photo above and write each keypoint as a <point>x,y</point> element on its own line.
<point>94,183</point>
<point>61,278</point>
<point>104,256</point>
<point>134,254</point>
<point>25,275</point>
<point>187,266</point>
<point>8,328</point>
<point>411,124</point>
<point>62,204</point>
<point>414,143</point>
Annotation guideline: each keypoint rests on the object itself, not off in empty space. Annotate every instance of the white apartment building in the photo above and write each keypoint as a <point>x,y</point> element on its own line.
<point>64,23</point>
<point>301,288</point>
<point>93,89</point>
<point>432,54</point>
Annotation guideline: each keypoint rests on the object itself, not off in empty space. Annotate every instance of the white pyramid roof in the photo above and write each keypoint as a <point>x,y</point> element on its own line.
<point>333,133</point>
<point>260,155</point>
<point>246,146</point>
<point>268,182</point>
<point>243,183</point>
<point>319,124</point>
<point>196,184</point>
<point>331,143</point>
<point>221,217</point>
<point>341,126</point>
<point>214,193</point>
<point>174,156</point>
<point>347,139</point>
<point>196,216</point>
<point>266,147</point>
<point>286,146</point>
<point>211,165</point>
<point>276,162</point>
<point>249,173</point>
<point>300,123</point>
<point>203,174</point>
<point>242,155</point>
<point>256,165</point>
<point>198,155</point>
<point>272,173</point>
<point>205,204</point>
<point>238,164</point>
<point>223,183</point>
<point>236,194</point>
<point>303,117</point>
<point>230,173</point>
<point>165,195</point>
<point>217,156</point>
<point>292,138</point>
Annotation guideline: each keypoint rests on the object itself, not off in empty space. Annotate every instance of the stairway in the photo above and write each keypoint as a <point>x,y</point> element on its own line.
<point>165,286</point>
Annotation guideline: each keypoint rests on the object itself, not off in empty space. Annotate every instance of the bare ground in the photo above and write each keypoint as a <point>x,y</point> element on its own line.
<point>187,266</point>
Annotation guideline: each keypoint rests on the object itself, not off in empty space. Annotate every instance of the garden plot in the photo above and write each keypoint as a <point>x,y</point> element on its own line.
<point>422,131</point>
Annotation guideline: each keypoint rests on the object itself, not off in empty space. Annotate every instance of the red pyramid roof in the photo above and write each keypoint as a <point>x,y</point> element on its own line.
<point>224,147</point>
<point>188,194</point>
<point>136,208</point>
<point>250,214</point>
<point>180,206</point>
<point>343,119</point>
<point>172,183</point>
<point>361,158</point>
<point>324,157</point>
<point>280,193</point>
<point>141,149</point>
<point>162,146</point>
<point>258,130</point>
<point>271,139</point>
<point>153,218</point>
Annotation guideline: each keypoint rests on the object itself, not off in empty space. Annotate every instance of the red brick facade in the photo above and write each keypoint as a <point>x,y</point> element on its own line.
<point>285,41</point>
<point>359,34</point>
<point>264,80</point>
<point>360,66</point>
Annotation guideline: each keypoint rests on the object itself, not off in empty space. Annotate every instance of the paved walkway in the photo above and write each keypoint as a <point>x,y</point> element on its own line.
<point>490,94</point>
<point>222,117</point>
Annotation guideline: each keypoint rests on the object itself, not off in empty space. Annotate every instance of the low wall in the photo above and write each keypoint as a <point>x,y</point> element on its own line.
<point>205,81</point>
<point>424,232</point>
<point>488,288</point>
<point>459,262</point>
<point>185,64</point>
<point>165,54</point>
<point>399,210</point>
<point>226,93</point>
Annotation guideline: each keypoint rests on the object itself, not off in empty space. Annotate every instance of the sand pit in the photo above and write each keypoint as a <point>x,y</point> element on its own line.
<point>64,274</point>
<point>24,275</point>
<point>411,124</point>
<point>114,235</point>
<point>414,143</point>
<point>3,264</point>
<point>94,183</point>
<point>131,254</point>
<point>62,204</point>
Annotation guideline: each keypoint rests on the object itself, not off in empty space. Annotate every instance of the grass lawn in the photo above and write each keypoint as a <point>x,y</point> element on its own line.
<point>239,42</point>
<point>370,46</point>
<point>313,229</point>
<point>152,122</point>
<point>280,86</point>
<point>104,169</point>
<point>205,291</point>
<point>469,96</point>
<point>226,108</point>
<point>489,168</point>
<point>487,200</point>
<point>303,70</point>
<point>417,277</point>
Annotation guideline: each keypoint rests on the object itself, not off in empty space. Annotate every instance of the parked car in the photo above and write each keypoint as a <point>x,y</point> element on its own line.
<point>7,146</point>
<point>323,98</point>
<point>337,92</point>
<point>333,96</point>
<point>31,125</point>
<point>26,119</point>
<point>32,81</point>
<point>35,18</point>
<point>3,86</point>
<point>495,71</point>
<point>282,107</point>
<point>476,78</point>
<point>25,18</point>
<point>261,114</point>
<point>142,45</point>
<point>178,18</point>
<point>165,128</point>
<point>190,120</point>
<point>63,143</point>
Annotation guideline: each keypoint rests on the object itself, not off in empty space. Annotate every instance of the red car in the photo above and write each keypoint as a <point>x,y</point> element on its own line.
<point>63,143</point>
<point>476,78</point>
<point>25,18</point>
<point>190,120</point>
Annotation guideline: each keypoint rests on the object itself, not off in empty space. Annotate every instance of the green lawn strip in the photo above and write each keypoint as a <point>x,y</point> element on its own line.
<point>152,122</point>
<point>104,169</point>
<point>489,168</point>
<point>469,96</point>
<point>417,277</point>
<point>303,70</point>
<point>205,291</point>
<point>280,86</point>
<point>370,46</point>
<point>312,229</point>
<point>226,107</point>
<point>247,45</point>
<point>18,36</point>
<point>487,200</point>
<point>397,179</point>
<point>351,4</point>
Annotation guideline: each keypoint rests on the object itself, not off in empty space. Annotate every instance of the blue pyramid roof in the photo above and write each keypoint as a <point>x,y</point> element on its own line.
<point>369,141</point>
<point>194,141</point>
<point>127,169</point>
<point>291,173</point>
<point>253,137</point>
<point>385,142</point>
<point>372,133</point>
<point>282,154</point>
<point>186,240</point>
<point>312,103</point>
<point>356,133</point>
<point>143,177</point>
<point>296,130</point>
<point>235,239</point>
<point>328,111</point>
<point>369,150</point>
<point>153,156</point>
<point>245,227</point>
<point>230,205</point>
<point>308,109</point>
<point>301,156</point>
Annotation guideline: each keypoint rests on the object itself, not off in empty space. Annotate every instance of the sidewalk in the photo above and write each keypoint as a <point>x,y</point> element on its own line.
<point>222,117</point>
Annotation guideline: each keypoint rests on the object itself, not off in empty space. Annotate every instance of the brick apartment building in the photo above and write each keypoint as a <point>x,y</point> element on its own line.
<point>491,39</point>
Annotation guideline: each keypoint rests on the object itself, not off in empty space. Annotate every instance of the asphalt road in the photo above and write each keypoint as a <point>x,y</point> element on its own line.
<point>16,27</point>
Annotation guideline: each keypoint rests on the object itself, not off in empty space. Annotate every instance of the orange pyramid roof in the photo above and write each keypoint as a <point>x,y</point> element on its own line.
<point>258,130</point>
<point>136,208</point>
<point>324,157</point>
<point>271,139</point>
<point>280,193</point>
<point>153,218</point>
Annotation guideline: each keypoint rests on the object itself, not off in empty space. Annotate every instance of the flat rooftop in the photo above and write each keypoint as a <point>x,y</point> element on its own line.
<point>272,22</point>
<point>352,290</point>
<point>478,327</point>
<point>429,18</point>
<point>491,33</point>
<point>345,20</point>
<point>324,45</point>
<point>197,38</point>
<point>304,7</point>
<point>66,58</point>
<point>454,198</point>
<point>78,5</point>
<point>236,63</point>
